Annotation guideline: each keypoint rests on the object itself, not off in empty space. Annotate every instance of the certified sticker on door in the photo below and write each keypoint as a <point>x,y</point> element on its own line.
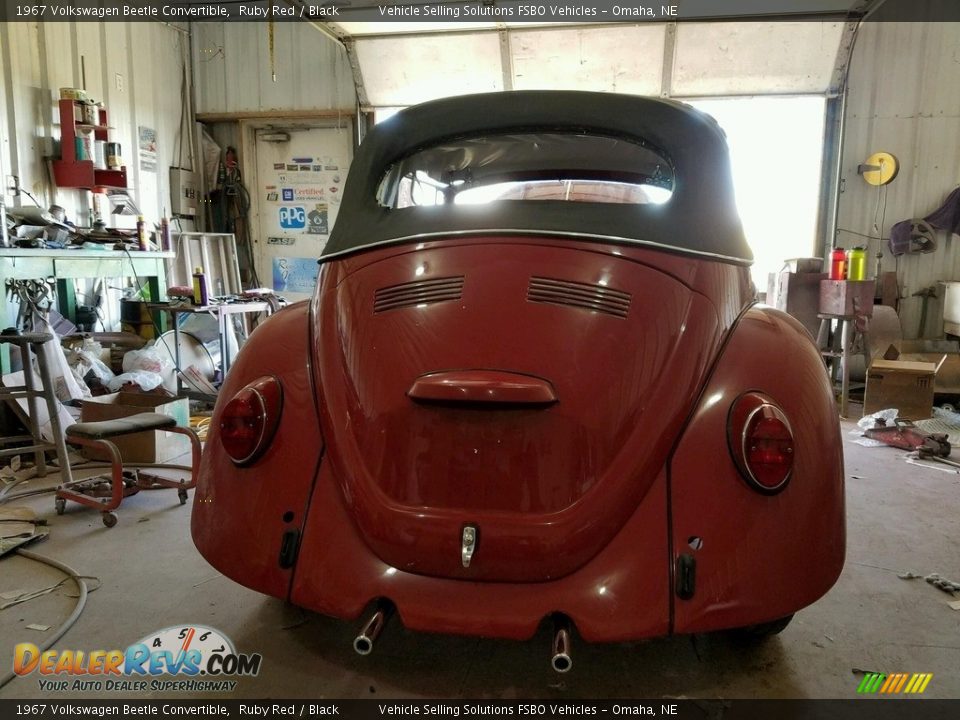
<point>295,274</point>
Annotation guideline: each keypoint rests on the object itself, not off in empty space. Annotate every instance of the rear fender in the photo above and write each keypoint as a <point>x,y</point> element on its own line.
<point>243,516</point>
<point>759,557</point>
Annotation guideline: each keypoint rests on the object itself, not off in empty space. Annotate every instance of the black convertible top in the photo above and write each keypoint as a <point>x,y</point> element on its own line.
<point>700,217</point>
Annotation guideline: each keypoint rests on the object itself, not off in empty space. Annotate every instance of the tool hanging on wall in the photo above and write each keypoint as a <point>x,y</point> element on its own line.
<point>230,208</point>
<point>923,237</point>
<point>879,169</point>
<point>33,296</point>
<point>926,293</point>
<point>919,236</point>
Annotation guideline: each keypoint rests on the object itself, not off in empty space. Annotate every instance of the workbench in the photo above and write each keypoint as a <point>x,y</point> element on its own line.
<point>69,265</point>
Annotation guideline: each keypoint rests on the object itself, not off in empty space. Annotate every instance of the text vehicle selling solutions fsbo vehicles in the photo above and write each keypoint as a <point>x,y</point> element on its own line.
<point>532,385</point>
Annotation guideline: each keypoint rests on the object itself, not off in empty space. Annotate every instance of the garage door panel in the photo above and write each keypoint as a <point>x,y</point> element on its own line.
<point>612,59</point>
<point>756,58</point>
<point>406,71</point>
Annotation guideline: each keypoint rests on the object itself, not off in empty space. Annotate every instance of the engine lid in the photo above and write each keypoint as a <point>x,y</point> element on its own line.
<point>496,410</point>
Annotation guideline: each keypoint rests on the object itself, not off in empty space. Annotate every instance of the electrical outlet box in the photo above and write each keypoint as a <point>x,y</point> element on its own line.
<point>46,147</point>
<point>184,192</point>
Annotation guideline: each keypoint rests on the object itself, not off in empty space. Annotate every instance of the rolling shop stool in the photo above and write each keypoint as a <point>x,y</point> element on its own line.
<point>37,345</point>
<point>98,434</point>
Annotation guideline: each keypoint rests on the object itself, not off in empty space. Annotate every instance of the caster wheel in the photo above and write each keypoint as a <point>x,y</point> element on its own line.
<point>61,505</point>
<point>182,494</point>
<point>109,519</point>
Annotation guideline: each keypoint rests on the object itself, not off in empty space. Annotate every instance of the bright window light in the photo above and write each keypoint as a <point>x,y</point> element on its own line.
<point>776,149</point>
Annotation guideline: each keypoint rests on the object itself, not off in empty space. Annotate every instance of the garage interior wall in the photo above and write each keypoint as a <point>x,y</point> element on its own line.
<point>235,76</point>
<point>893,104</point>
<point>903,99</point>
<point>37,59</point>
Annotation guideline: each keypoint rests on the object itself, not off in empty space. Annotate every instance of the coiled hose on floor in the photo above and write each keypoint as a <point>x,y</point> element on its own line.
<point>78,608</point>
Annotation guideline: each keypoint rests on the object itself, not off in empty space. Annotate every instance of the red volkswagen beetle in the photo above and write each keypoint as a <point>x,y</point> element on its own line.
<point>533,384</point>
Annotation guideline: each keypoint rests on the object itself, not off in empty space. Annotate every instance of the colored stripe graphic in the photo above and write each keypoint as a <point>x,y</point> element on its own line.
<point>918,683</point>
<point>903,681</point>
<point>891,680</point>
<point>893,684</point>
<point>871,682</point>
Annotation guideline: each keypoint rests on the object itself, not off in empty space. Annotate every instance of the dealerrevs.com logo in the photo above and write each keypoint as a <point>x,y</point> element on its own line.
<point>182,658</point>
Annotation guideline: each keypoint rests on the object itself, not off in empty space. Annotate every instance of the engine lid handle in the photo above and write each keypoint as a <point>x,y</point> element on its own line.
<point>483,386</point>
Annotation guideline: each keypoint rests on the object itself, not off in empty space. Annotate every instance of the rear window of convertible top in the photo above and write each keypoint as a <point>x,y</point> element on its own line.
<point>530,166</point>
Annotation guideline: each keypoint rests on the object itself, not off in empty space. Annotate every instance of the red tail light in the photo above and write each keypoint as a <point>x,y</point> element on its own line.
<point>250,419</point>
<point>761,442</point>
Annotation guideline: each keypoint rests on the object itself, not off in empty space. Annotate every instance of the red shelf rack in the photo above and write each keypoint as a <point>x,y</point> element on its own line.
<point>68,171</point>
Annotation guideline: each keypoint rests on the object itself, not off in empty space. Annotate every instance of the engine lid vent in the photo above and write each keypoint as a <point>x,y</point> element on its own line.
<point>585,296</point>
<point>419,292</point>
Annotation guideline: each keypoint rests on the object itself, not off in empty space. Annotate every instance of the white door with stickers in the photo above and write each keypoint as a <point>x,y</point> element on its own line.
<point>300,177</point>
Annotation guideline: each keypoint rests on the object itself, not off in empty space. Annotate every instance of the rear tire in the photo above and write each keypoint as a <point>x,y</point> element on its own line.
<point>761,631</point>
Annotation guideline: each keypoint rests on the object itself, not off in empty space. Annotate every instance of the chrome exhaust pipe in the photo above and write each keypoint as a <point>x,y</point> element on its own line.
<point>561,661</point>
<point>363,643</point>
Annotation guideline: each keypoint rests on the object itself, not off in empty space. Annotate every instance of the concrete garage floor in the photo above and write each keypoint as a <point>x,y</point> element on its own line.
<point>900,517</point>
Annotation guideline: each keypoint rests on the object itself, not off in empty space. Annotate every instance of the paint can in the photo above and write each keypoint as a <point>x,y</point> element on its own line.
<point>114,160</point>
<point>100,154</point>
<point>90,114</point>
<point>75,94</point>
<point>85,148</point>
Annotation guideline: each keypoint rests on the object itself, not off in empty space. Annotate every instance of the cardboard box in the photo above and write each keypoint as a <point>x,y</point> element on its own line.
<point>905,385</point>
<point>145,447</point>
<point>947,379</point>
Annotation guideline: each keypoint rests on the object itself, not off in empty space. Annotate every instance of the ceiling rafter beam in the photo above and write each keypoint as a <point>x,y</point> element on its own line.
<point>333,32</point>
<point>506,58</point>
<point>669,58</point>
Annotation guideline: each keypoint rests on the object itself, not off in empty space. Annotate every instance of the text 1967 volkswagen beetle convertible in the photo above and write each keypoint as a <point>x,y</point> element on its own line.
<point>532,384</point>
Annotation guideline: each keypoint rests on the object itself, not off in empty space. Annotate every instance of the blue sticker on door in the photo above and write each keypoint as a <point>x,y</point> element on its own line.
<point>295,274</point>
<point>293,217</point>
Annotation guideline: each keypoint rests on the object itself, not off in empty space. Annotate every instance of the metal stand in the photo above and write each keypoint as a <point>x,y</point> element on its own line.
<point>223,313</point>
<point>848,334</point>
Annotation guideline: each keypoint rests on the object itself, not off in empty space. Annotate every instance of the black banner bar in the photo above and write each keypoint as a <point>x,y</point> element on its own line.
<point>861,709</point>
<point>455,11</point>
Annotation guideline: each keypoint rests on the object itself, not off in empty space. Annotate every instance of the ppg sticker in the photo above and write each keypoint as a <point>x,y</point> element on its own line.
<point>293,218</point>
